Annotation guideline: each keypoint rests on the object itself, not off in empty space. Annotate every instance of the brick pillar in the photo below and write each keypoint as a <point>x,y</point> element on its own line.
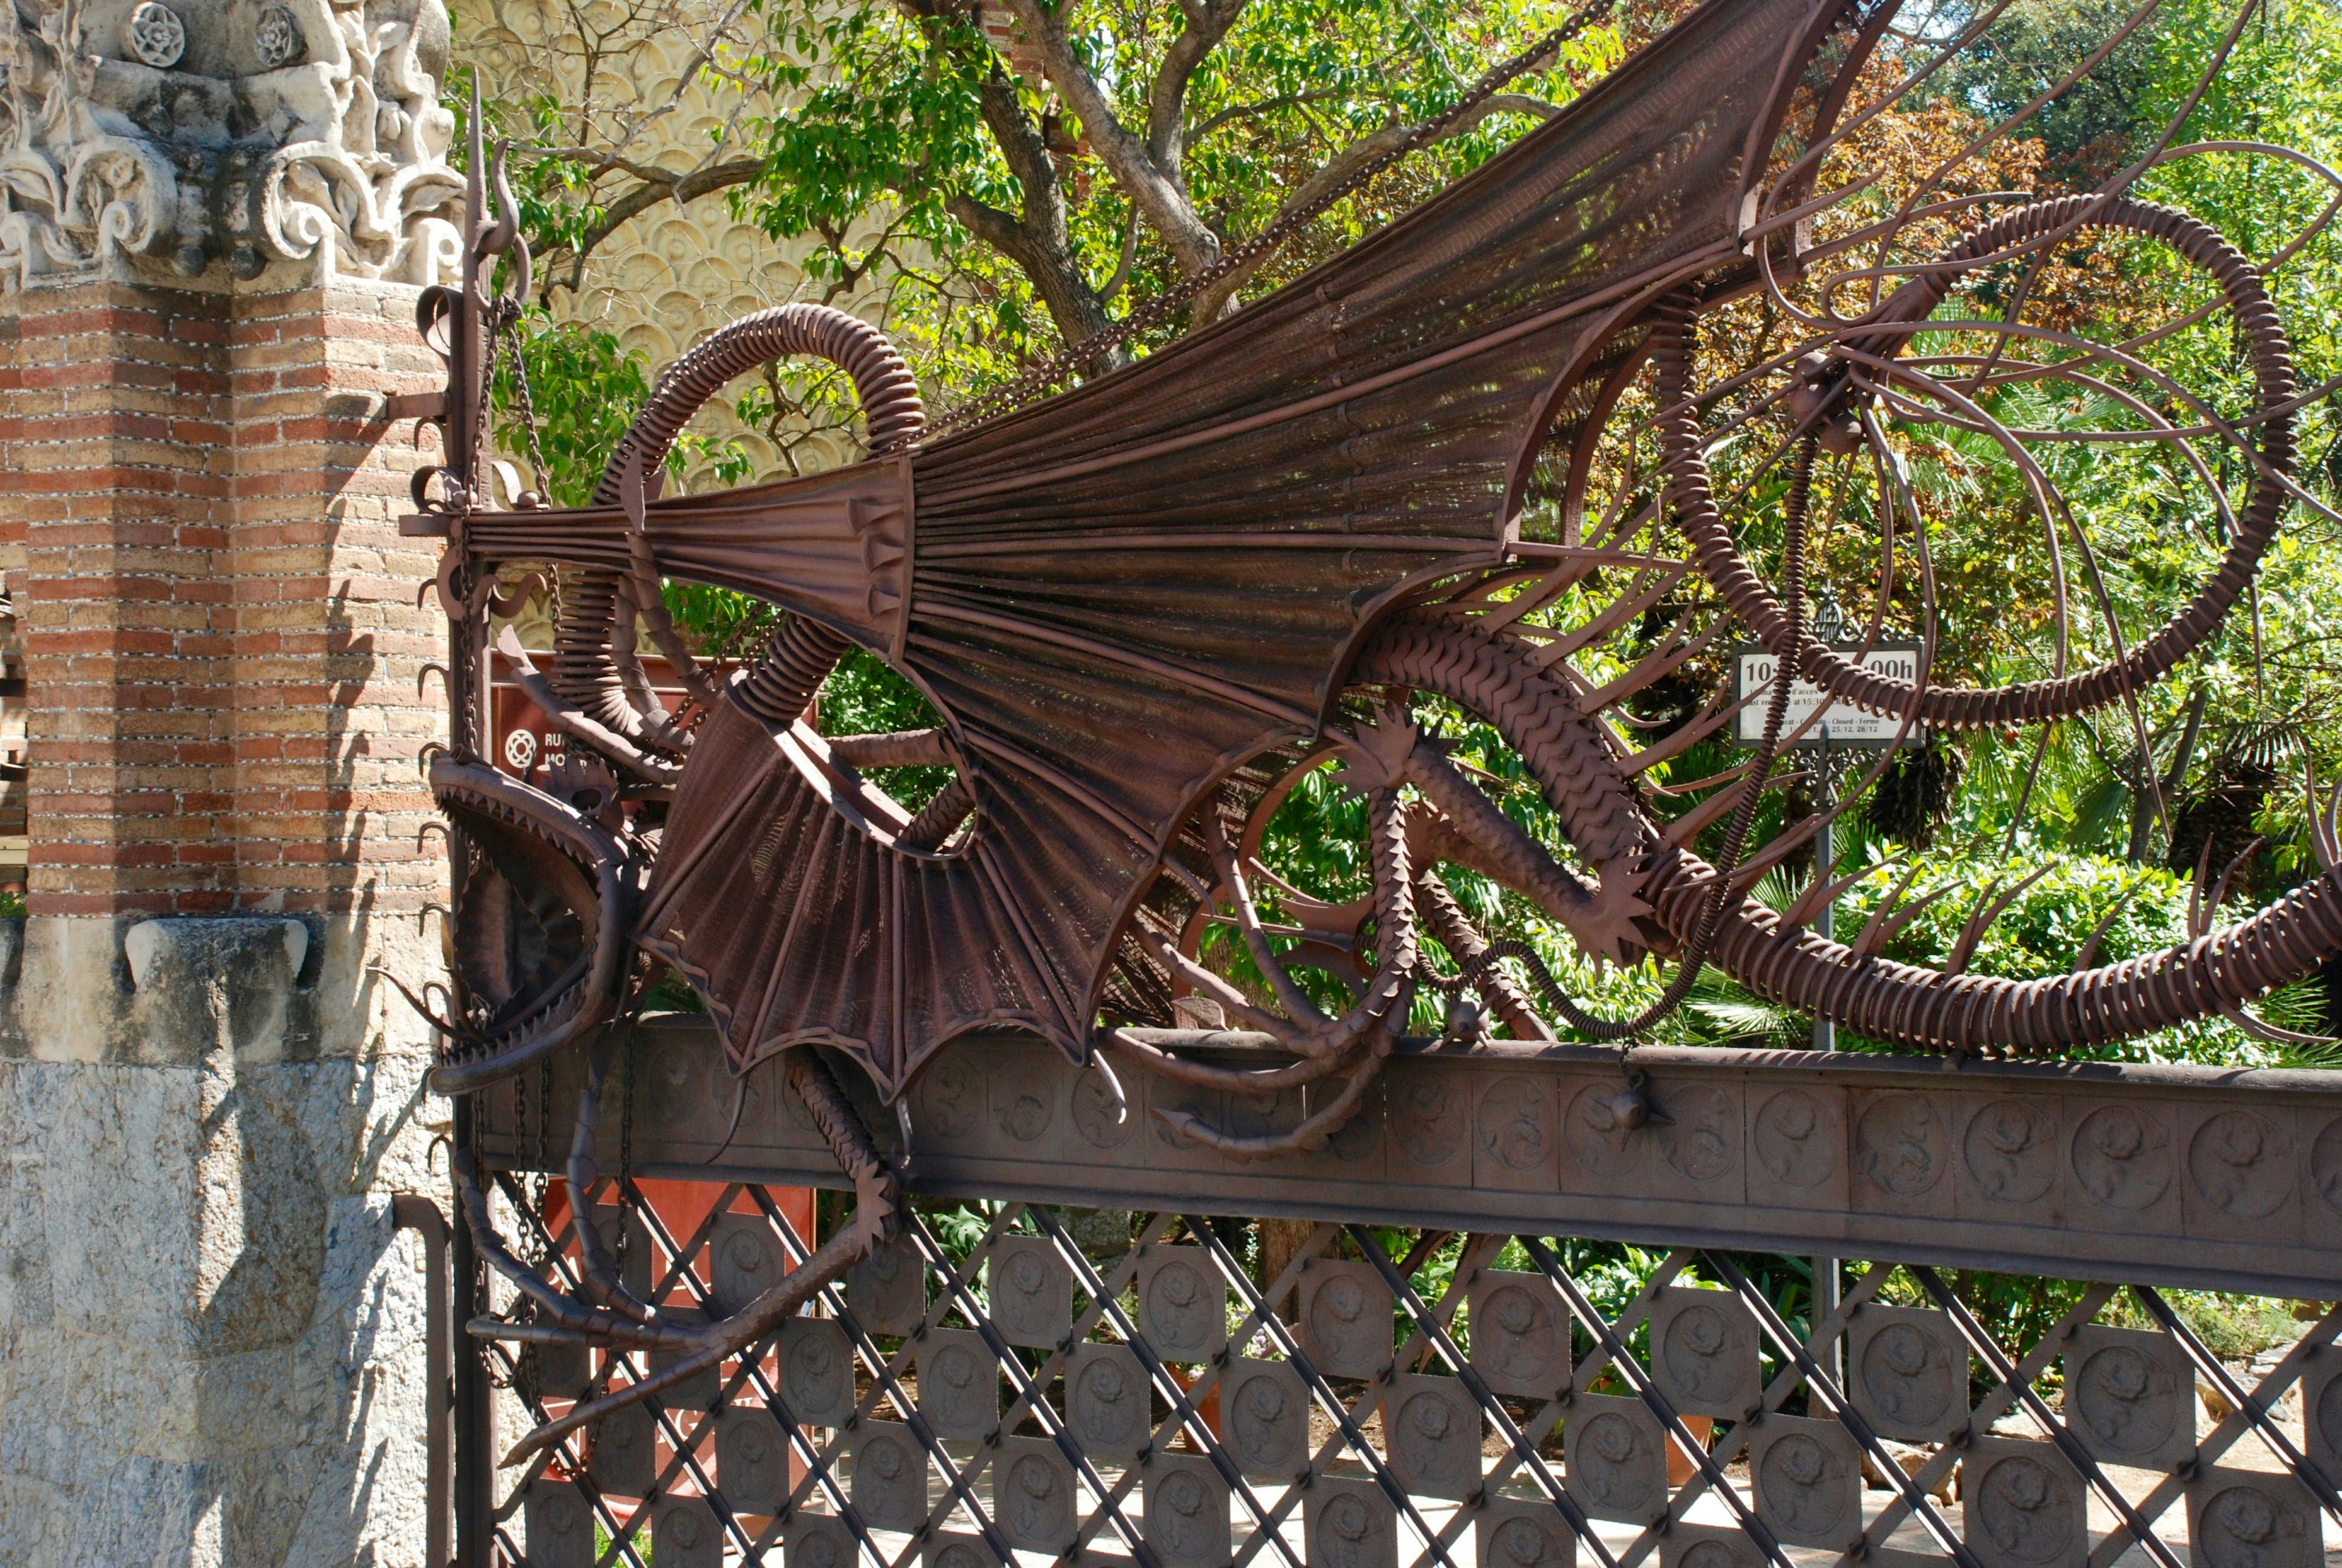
<point>220,620</point>
<point>210,1339</point>
<point>122,472</point>
<point>332,704</point>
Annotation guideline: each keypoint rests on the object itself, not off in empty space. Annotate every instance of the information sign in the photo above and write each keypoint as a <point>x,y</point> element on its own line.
<point>1844,726</point>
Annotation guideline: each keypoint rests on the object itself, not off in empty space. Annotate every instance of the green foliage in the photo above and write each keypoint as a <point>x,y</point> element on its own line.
<point>878,131</point>
<point>584,388</point>
<point>958,1228</point>
<point>2089,131</point>
<point>719,623</point>
<point>2019,1308</point>
<point>1724,1014</point>
<point>2077,800</point>
<point>887,153</point>
<point>2234,1328</point>
<point>865,696</point>
<point>1611,1273</point>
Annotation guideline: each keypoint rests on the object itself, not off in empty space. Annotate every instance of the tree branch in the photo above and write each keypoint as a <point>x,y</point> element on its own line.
<point>1126,261</point>
<point>1038,239</point>
<point>1167,100</point>
<point>656,186</point>
<point>1157,192</point>
<point>1236,112</point>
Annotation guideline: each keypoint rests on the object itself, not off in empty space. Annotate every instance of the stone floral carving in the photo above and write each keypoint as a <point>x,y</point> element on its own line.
<point>889,1476</point>
<point>1183,1304</point>
<point>277,38</point>
<point>960,1385</point>
<point>752,1455</point>
<point>155,35</point>
<point>219,129</point>
<point>1032,1292</point>
<point>1265,1417</point>
<point>560,1525</point>
<point>817,1368</point>
<point>1105,1399</point>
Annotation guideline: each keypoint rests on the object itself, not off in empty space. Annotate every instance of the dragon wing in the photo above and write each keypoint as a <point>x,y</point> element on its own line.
<point>1115,596</point>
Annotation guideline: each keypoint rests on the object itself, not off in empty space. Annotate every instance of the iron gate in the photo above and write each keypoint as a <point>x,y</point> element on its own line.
<point>1444,1370</point>
<point>1399,536</point>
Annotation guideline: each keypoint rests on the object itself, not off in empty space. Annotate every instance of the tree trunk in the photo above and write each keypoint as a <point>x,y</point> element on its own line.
<point>1281,1242</point>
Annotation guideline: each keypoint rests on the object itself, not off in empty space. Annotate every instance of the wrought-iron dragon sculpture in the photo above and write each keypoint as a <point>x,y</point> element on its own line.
<point>1513,465</point>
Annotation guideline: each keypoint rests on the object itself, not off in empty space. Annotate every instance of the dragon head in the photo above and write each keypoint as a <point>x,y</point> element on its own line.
<point>543,923</point>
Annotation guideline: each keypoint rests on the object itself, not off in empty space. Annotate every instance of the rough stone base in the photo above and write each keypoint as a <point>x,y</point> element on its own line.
<point>211,1336</point>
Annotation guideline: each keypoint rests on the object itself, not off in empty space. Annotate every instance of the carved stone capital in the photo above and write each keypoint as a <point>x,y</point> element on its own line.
<point>253,131</point>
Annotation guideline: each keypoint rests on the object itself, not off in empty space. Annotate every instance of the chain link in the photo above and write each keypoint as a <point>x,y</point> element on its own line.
<point>544,1100</point>
<point>625,1156</point>
<point>536,1250</point>
<point>540,1248</point>
<point>533,1252</point>
<point>1013,395</point>
<point>481,490</point>
<point>626,1122</point>
<point>522,397</point>
<point>503,342</point>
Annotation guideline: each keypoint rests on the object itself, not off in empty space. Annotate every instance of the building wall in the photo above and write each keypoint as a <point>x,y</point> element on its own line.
<point>210,1340</point>
<point>678,270</point>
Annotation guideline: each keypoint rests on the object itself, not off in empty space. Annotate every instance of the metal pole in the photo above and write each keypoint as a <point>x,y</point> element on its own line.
<point>1825,865</point>
<point>1825,1037</point>
<point>476,1459</point>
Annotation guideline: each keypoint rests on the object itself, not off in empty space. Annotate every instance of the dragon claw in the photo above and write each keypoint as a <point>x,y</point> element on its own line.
<point>1375,755</point>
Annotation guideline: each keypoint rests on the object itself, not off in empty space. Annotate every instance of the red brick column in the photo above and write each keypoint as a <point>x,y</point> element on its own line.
<point>120,464</point>
<point>222,634</point>
<point>220,1359</point>
<point>331,705</point>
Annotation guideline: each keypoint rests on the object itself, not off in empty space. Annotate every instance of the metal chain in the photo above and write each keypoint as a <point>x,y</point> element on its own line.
<point>1013,395</point>
<point>482,445</point>
<point>540,1247</point>
<point>543,1099</point>
<point>533,1253</point>
<point>541,1184</point>
<point>504,335</point>
<point>625,1156</point>
<point>522,1308</point>
<point>627,1123</point>
<point>536,1249</point>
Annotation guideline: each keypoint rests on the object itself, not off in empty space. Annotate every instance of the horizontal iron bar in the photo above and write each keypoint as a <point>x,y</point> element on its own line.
<point>2155,1174</point>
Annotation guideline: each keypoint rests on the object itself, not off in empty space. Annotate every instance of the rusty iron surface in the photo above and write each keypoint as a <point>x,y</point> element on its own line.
<point>2171,1175</point>
<point>1128,1387</point>
<point>1512,465</point>
<point>1137,607</point>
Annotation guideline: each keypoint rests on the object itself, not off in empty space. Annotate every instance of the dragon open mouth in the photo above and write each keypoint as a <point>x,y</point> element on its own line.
<point>542,938</point>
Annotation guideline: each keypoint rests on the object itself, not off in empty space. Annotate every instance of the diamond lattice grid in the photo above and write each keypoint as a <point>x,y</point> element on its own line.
<point>1013,1384</point>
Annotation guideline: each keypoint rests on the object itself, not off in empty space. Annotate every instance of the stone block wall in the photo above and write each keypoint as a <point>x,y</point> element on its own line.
<point>210,1334</point>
